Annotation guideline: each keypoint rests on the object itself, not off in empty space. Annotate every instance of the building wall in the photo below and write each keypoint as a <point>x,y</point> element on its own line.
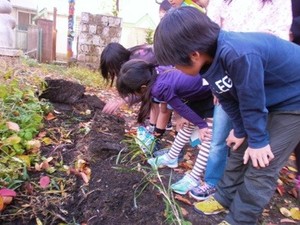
<point>132,33</point>
<point>95,32</point>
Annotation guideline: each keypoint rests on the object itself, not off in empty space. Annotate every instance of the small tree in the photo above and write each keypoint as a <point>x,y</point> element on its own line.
<point>149,36</point>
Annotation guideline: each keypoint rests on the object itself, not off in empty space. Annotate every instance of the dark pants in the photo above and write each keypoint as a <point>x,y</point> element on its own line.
<point>246,190</point>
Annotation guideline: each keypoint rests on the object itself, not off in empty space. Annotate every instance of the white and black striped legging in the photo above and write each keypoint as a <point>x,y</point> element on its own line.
<point>182,138</point>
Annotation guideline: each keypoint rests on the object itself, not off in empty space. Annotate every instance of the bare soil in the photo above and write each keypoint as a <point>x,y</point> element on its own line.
<point>108,197</point>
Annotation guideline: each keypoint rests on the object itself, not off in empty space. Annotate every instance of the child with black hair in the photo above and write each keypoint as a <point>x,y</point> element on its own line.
<point>111,60</point>
<point>256,77</point>
<point>187,95</point>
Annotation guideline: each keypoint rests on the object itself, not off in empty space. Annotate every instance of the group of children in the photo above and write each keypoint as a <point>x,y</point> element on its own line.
<point>257,86</point>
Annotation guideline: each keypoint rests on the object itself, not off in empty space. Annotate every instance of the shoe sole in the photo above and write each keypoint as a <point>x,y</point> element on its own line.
<point>198,198</point>
<point>181,193</point>
<point>164,166</point>
<point>212,213</point>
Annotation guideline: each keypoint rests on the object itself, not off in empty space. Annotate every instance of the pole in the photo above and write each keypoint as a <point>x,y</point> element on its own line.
<point>70,29</point>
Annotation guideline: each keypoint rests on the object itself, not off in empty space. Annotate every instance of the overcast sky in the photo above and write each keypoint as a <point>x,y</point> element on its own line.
<point>130,10</point>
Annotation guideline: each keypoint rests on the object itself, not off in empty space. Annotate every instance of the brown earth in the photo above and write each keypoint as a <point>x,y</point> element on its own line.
<point>81,130</point>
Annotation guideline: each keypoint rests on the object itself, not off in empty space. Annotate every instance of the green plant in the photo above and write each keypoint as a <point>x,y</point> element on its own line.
<point>149,36</point>
<point>21,115</point>
<point>132,156</point>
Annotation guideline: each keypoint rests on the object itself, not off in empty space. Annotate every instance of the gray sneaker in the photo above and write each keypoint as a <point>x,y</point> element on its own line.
<point>202,192</point>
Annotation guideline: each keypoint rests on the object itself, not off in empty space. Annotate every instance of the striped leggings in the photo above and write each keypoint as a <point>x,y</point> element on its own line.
<point>182,138</point>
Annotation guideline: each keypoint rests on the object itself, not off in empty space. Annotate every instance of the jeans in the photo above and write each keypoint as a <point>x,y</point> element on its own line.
<point>218,149</point>
<point>246,190</point>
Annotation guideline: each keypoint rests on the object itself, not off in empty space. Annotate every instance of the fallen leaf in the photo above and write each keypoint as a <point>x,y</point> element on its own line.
<point>13,126</point>
<point>1,204</point>
<point>293,169</point>
<point>295,213</point>
<point>184,211</point>
<point>47,141</point>
<point>294,192</point>
<point>280,189</point>
<point>7,200</point>
<point>84,177</point>
<point>42,134</point>
<point>33,145</point>
<point>284,211</point>
<point>25,159</point>
<point>50,116</point>
<point>7,192</point>
<point>287,221</point>
<point>292,157</point>
<point>38,221</point>
<point>44,181</point>
<point>183,199</point>
<point>12,140</point>
<point>28,188</point>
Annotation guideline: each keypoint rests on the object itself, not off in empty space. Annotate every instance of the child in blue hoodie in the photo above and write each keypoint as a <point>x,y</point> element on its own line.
<point>256,77</point>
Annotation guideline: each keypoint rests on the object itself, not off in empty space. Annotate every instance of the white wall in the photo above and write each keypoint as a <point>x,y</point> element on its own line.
<point>130,12</point>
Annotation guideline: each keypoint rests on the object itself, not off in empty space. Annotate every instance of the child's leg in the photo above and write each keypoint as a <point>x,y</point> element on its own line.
<point>202,157</point>
<point>258,185</point>
<point>217,157</point>
<point>218,149</point>
<point>181,139</point>
<point>191,180</point>
<point>162,120</point>
<point>153,116</point>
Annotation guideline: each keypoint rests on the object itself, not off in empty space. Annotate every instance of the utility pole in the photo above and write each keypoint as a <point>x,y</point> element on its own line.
<point>70,29</point>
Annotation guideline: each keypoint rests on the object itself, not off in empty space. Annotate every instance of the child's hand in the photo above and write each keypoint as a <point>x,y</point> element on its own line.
<point>112,106</point>
<point>180,122</point>
<point>260,157</point>
<point>205,134</point>
<point>233,141</point>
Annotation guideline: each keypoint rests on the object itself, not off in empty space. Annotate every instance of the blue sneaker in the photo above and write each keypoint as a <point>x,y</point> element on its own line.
<point>163,161</point>
<point>184,185</point>
<point>166,150</point>
<point>202,192</point>
<point>160,152</point>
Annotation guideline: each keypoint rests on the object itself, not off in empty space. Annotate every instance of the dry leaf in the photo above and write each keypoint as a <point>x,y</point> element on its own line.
<point>13,126</point>
<point>183,199</point>
<point>287,221</point>
<point>7,192</point>
<point>84,177</point>
<point>38,221</point>
<point>2,205</point>
<point>295,213</point>
<point>285,212</point>
<point>47,141</point>
<point>25,159</point>
<point>50,116</point>
<point>184,211</point>
<point>294,192</point>
<point>7,200</point>
<point>293,169</point>
<point>44,181</point>
<point>280,189</point>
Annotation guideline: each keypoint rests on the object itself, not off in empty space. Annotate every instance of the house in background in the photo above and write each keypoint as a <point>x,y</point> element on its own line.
<point>27,12</point>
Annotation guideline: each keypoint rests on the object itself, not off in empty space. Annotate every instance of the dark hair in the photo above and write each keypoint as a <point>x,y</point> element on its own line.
<point>182,31</point>
<point>263,1</point>
<point>133,75</point>
<point>115,54</point>
<point>111,60</point>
